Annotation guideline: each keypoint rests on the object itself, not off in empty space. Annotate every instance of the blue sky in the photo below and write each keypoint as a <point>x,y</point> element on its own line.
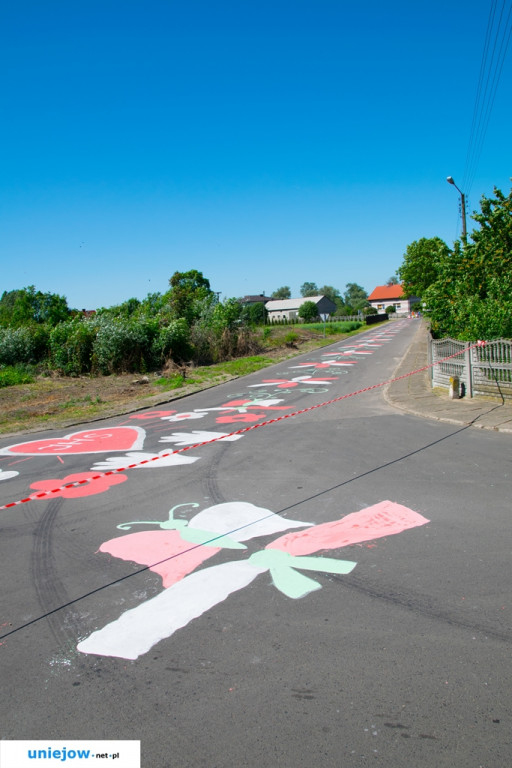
<point>264,144</point>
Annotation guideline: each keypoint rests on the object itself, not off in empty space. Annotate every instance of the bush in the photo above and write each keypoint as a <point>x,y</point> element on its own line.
<point>172,341</point>
<point>17,345</point>
<point>12,375</point>
<point>123,345</point>
<point>71,346</point>
<point>308,311</point>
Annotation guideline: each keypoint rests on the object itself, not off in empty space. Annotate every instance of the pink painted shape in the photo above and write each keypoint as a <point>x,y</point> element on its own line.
<point>91,488</point>
<point>242,418</point>
<point>383,519</point>
<point>151,415</point>
<point>165,552</point>
<point>87,441</point>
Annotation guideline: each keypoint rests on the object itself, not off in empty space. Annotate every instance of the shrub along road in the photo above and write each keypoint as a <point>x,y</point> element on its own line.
<point>54,401</point>
<point>329,589</point>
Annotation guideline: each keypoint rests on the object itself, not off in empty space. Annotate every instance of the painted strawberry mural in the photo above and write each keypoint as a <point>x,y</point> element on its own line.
<point>181,547</point>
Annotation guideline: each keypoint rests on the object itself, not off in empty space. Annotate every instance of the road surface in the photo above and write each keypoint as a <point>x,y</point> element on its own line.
<point>331,588</point>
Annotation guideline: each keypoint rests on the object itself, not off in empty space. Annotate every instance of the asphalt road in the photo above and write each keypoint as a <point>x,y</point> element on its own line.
<point>331,589</point>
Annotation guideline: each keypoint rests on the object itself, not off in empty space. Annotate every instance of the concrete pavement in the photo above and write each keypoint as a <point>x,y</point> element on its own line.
<point>415,395</point>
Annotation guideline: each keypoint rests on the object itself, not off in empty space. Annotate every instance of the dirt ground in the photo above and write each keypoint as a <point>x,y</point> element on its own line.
<point>58,401</point>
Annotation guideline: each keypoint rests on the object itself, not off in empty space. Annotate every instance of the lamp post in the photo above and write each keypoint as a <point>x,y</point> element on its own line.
<point>450,180</point>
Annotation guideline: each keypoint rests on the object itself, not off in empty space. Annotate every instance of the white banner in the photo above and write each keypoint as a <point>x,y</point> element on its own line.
<point>69,752</point>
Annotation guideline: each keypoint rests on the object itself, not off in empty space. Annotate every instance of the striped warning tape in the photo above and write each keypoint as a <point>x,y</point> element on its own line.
<point>242,431</point>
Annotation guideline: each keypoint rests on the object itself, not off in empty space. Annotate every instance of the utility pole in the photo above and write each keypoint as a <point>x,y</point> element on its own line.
<point>450,180</point>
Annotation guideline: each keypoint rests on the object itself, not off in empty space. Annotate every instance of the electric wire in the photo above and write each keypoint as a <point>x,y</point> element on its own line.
<point>497,39</point>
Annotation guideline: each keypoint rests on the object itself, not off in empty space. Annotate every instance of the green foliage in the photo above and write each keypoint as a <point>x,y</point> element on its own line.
<point>334,295</point>
<point>308,311</point>
<point>334,328</point>
<point>188,290</point>
<point>355,296</point>
<point>254,314</point>
<point>128,308</point>
<point>27,306</point>
<point>171,382</point>
<point>10,376</point>
<point>218,333</point>
<point>471,297</point>
<point>422,261</point>
<point>172,341</point>
<point>123,345</point>
<point>71,346</point>
<point>26,344</point>
<point>309,289</point>
<point>390,310</point>
<point>282,293</point>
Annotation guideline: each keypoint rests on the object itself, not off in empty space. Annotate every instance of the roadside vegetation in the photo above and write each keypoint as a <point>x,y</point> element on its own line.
<point>466,291</point>
<point>61,366</point>
<point>50,399</point>
<point>187,325</point>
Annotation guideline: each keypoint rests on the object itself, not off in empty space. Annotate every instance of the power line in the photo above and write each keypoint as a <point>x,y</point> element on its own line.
<point>498,37</point>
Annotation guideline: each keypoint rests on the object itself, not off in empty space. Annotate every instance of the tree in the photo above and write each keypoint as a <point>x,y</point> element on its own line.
<point>393,280</point>
<point>334,295</point>
<point>421,264</point>
<point>254,314</point>
<point>187,290</point>
<point>26,306</point>
<point>309,289</point>
<point>355,296</point>
<point>472,295</point>
<point>282,293</point>
<point>126,309</point>
<point>308,311</point>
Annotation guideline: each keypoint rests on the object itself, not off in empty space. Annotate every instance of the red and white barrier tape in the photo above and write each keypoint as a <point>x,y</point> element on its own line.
<point>42,494</point>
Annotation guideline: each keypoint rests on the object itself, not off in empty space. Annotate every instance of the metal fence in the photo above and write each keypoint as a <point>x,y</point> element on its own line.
<point>481,370</point>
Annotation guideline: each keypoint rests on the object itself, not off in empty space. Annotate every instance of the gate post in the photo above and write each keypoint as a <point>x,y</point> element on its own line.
<point>468,368</point>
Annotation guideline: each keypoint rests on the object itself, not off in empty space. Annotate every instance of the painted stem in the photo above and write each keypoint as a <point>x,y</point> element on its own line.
<point>139,629</point>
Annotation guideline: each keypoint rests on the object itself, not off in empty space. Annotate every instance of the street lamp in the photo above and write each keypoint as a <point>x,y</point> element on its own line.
<point>450,180</point>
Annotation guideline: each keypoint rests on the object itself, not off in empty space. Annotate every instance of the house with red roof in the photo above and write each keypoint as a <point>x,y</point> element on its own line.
<point>384,296</point>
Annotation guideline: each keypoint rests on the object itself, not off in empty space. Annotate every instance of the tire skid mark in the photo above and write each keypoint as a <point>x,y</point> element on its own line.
<point>209,479</point>
<point>49,588</point>
<point>421,605</point>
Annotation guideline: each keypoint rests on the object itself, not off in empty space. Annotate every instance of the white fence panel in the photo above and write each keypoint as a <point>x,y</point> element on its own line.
<point>481,370</point>
<point>491,367</point>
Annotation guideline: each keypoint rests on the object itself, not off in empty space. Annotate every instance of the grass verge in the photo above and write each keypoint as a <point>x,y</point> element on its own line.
<point>55,402</point>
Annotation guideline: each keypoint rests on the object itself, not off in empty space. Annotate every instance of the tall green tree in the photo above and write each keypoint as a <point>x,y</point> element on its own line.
<point>188,290</point>
<point>282,293</point>
<point>333,294</point>
<point>309,289</point>
<point>26,306</point>
<point>472,295</point>
<point>421,265</point>
<point>355,296</point>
